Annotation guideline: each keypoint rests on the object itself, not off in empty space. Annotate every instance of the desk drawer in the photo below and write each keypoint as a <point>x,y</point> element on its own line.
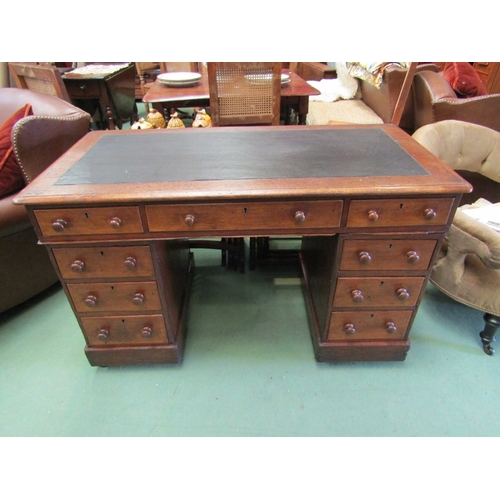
<point>245,216</point>
<point>104,262</point>
<point>399,212</point>
<point>375,292</point>
<point>387,255</point>
<point>123,330</point>
<point>366,325</point>
<point>89,221</point>
<point>130,297</point>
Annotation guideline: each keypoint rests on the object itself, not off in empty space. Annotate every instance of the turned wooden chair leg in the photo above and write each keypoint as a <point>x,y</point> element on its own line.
<point>492,323</point>
<point>253,253</point>
<point>236,254</point>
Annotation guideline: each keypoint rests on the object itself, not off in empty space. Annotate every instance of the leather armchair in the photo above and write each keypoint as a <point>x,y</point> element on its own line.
<point>435,101</point>
<point>38,140</point>
<point>468,266</point>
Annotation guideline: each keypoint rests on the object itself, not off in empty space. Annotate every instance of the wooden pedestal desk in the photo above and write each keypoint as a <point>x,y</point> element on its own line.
<point>371,205</point>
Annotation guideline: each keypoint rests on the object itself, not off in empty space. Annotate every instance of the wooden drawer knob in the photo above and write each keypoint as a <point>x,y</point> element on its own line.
<point>91,301</point>
<point>147,331</point>
<point>391,327</point>
<point>300,217</point>
<point>349,329</point>
<point>412,257</point>
<point>372,215</point>
<point>78,266</point>
<point>402,294</point>
<point>364,257</point>
<point>59,225</point>
<point>103,334</point>
<point>189,220</point>
<point>130,263</point>
<point>429,214</point>
<point>138,299</point>
<point>115,222</point>
<point>357,296</point>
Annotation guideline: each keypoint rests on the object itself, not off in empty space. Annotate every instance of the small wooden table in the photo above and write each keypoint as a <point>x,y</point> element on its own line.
<point>111,92</point>
<point>116,213</point>
<point>294,95</point>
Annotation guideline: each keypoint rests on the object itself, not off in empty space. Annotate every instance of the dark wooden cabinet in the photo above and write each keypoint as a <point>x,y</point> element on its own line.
<point>490,75</point>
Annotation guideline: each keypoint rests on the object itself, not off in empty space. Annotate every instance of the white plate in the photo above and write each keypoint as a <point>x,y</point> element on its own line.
<point>189,83</point>
<point>179,77</point>
<point>261,79</point>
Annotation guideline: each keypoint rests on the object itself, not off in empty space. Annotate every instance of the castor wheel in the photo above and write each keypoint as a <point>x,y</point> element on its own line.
<point>492,323</point>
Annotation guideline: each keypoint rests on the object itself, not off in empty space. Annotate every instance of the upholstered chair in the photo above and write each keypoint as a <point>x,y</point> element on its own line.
<point>435,100</point>
<point>28,146</point>
<point>468,266</point>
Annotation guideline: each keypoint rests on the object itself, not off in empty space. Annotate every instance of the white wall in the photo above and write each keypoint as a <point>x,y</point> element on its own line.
<point>4,75</point>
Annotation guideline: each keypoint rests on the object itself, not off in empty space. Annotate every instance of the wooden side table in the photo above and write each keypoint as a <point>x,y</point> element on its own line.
<point>108,89</point>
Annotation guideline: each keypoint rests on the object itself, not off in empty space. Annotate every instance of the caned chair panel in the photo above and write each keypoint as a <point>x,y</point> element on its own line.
<point>244,93</point>
<point>43,78</point>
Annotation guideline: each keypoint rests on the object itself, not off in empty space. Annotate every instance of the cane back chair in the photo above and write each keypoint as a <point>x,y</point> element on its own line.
<point>244,93</point>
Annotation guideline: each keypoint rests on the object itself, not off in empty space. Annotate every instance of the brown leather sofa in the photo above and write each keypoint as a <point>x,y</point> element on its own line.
<point>383,101</point>
<point>376,105</point>
<point>38,140</point>
<point>435,101</point>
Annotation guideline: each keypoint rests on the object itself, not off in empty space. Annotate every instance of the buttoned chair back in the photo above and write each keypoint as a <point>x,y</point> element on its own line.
<point>244,93</point>
<point>468,266</point>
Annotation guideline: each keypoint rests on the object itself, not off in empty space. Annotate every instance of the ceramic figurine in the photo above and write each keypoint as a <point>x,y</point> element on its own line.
<point>156,119</point>
<point>141,124</point>
<point>202,119</point>
<point>175,121</point>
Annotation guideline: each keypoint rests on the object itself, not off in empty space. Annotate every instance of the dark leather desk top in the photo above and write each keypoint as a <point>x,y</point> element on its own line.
<point>263,154</point>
